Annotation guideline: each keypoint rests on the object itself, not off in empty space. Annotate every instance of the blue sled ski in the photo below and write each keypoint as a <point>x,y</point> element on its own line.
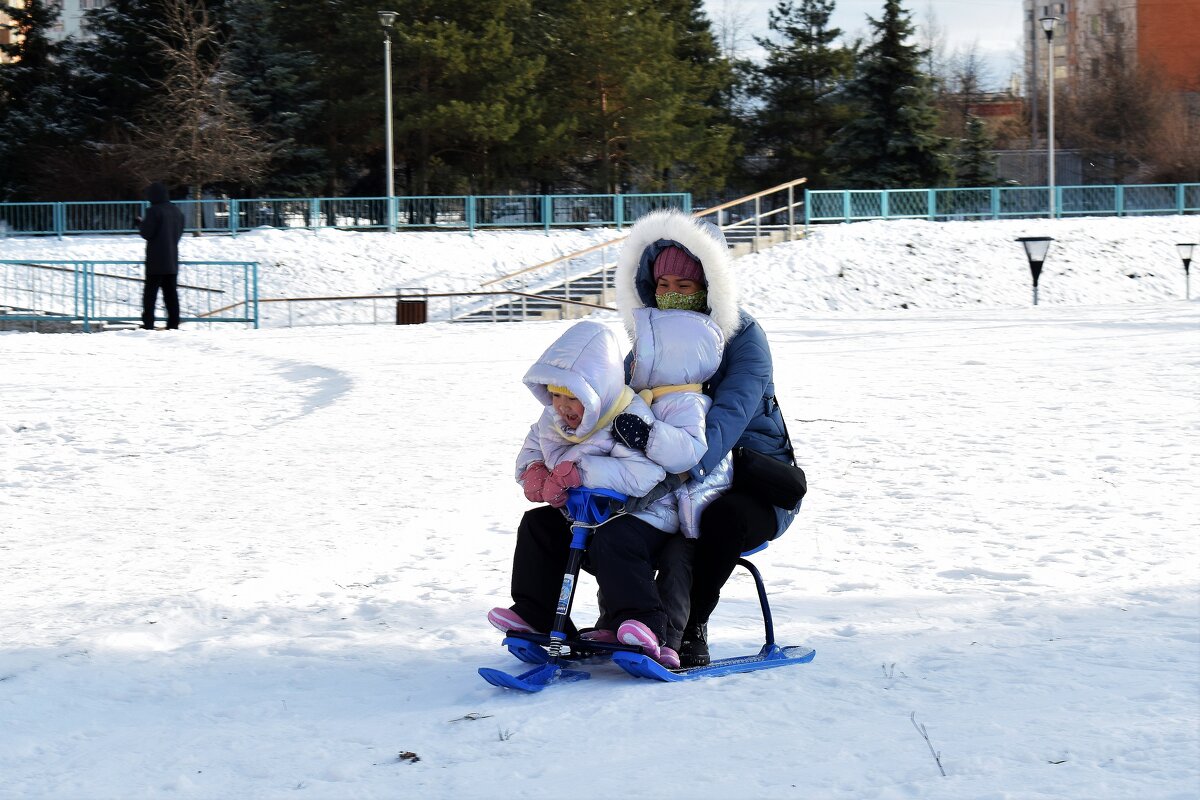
<point>535,679</point>
<point>772,655</point>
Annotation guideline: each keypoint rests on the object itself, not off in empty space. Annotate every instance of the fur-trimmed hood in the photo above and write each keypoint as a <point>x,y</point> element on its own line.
<point>703,240</point>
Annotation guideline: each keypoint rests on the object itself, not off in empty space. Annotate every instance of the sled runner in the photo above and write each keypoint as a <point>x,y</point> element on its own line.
<point>590,509</point>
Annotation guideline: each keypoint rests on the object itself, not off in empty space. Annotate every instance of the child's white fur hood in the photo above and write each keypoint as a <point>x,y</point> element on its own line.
<point>658,229</point>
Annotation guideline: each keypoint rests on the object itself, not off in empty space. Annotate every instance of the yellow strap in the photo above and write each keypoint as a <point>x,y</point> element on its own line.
<point>620,404</point>
<point>659,391</point>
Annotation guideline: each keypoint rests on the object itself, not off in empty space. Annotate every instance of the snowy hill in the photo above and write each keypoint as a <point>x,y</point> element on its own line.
<point>860,267</point>
<point>256,564</point>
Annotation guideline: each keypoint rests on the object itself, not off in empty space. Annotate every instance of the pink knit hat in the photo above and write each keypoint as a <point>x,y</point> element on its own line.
<point>675,261</point>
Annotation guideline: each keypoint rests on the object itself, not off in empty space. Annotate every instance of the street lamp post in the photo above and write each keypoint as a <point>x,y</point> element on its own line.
<point>1048,27</point>
<point>1035,251</point>
<point>387,19</point>
<point>1185,252</point>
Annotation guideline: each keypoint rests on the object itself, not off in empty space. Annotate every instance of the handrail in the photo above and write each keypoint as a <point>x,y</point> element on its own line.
<point>697,214</point>
<point>420,296</point>
<point>553,261</point>
<point>723,206</point>
<point>36,265</point>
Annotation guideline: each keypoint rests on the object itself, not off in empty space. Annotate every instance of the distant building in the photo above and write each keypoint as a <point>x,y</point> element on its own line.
<point>1164,34</point>
<point>70,17</point>
<point>7,36</point>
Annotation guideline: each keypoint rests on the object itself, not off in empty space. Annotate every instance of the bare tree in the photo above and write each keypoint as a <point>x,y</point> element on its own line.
<point>1126,114</point>
<point>731,26</point>
<point>193,133</point>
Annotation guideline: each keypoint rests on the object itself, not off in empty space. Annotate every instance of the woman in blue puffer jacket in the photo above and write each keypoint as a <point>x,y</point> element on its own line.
<point>673,261</point>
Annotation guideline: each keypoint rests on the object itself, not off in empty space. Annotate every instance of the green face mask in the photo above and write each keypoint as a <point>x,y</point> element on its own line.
<point>697,301</point>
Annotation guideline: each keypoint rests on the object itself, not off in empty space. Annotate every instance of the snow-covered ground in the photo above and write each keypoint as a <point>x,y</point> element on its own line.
<point>256,564</point>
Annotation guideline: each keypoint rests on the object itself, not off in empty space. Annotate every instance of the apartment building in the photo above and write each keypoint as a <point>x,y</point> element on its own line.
<point>1164,34</point>
<point>70,17</point>
<point>7,36</point>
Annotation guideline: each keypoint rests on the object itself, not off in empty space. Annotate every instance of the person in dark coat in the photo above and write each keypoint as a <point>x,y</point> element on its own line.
<point>673,261</point>
<point>162,227</point>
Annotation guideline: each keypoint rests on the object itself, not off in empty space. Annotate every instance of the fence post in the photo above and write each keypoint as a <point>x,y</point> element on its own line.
<point>791,212</point>
<point>1120,200</point>
<point>846,203</point>
<point>807,206</point>
<point>687,202</point>
<point>546,213</point>
<point>60,219</point>
<point>87,297</point>
<point>619,210</point>
<point>995,202</point>
<point>254,273</point>
<point>234,211</point>
<point>885,203</point>
<point>469,213</point>
<point>931,204</point>
<point>314,213</point>
<point>1179,198</point>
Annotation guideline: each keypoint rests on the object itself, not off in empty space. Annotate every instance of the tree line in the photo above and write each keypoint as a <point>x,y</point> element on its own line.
<point>286,98</point>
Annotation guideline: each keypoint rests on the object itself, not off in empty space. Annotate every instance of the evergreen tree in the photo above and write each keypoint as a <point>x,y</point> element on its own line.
<point>624,104</point>
<point>891,142</point>
<point>344,42</point>
<point>33,98</point>
<point>976,163</point>
<point>799,85</point>
<point>703,148</point>
<point>274,86</point>
<point>461,89</point>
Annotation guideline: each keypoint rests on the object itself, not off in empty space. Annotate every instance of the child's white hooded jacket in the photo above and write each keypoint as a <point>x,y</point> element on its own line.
<point>674,353</point>
<point>587,361</point>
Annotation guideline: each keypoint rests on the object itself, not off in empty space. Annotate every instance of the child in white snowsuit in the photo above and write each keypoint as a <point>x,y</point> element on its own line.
<point>580,382</point>
<point>674,353</point>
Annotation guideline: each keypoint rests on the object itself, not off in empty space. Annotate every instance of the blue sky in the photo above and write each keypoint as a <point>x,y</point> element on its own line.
<point>993,26</point>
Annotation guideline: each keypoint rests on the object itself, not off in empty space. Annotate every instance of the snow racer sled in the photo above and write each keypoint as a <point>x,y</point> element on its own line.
<point>588,510</point>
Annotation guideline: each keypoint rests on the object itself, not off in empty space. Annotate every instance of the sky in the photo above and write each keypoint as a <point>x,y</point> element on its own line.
<point>993,26</point>
<point>257,563</point>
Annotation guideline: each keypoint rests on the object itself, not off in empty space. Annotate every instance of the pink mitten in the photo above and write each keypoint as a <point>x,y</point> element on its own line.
<point>532,481</point>
<point>565,476</point>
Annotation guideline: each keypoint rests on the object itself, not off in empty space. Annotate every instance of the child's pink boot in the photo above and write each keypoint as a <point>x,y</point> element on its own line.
<point>599,635</point>
<point>636,633</point>
<point>668,657</point>
<point>505,620</point>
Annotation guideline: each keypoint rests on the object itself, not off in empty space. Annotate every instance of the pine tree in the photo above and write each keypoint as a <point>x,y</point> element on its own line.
<point>625,99</point>
<point>33,99</point>
<point>976,163</point>
<point>891,142</point>
<point>461,89</point>
<point>273,84</point>
<point>799,86</point>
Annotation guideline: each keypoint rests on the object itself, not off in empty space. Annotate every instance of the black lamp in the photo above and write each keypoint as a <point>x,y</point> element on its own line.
<point>1035,251</point>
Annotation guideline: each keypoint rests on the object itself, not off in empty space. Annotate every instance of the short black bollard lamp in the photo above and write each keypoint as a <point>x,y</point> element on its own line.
<point>1035,251</point>
<point>1185,252</point>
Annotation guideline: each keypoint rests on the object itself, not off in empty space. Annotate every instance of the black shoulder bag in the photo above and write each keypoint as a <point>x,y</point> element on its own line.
<point>779,483</point>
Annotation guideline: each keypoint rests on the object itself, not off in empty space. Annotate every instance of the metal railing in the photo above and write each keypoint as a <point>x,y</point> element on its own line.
<point>385,309</point>
<point>457,212</point>
<point>92,292</point>
<point>999,202</point>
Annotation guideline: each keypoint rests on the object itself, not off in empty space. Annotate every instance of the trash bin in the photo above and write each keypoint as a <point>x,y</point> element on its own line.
<point>411,312</point>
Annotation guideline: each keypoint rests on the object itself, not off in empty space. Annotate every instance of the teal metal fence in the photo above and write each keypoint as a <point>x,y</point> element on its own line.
<point>89,292</point>
<point>1000,202</point>
<point>459,212</point>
